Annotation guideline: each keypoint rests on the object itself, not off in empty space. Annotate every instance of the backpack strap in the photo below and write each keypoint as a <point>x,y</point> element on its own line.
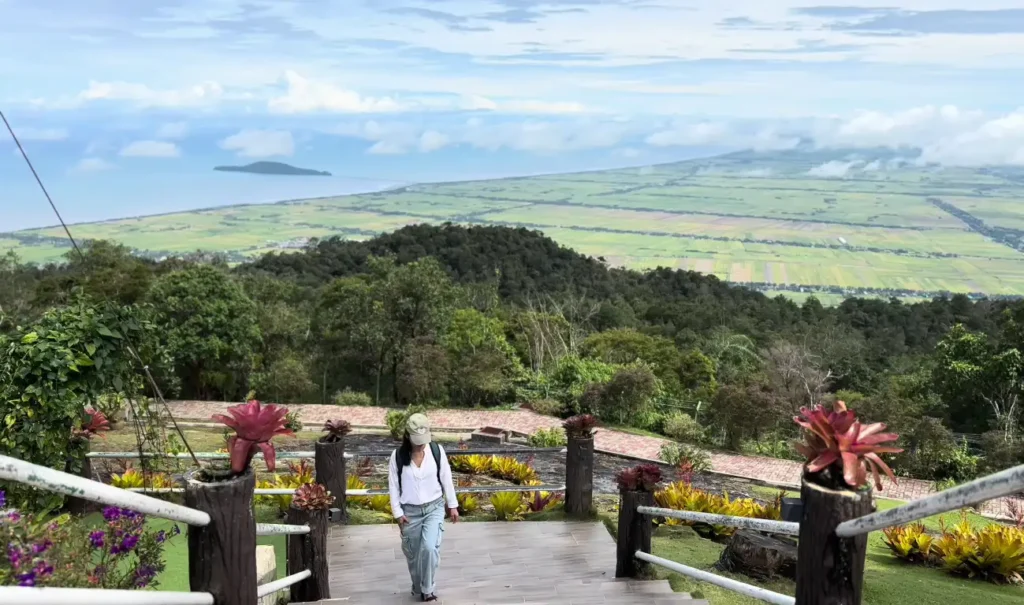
<point>435,449</point>
<point>398,470</point>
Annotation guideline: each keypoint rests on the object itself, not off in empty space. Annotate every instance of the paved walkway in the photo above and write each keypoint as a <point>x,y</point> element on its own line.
<point>770,470</point>
<point>554,562</point>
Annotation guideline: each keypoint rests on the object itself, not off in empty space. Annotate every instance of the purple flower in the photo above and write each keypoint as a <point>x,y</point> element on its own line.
<point>96,538</point>
<point>43,569</point>
<point>143,575</point>
<point>175,530</point>
<point>130,542</point>
<point>14,516</point>
<point>41,547</point>
<point>3,498</point>
<point>14,555</point>
<point>26,579</point>
<point>161,536</point>
<point>111,513</point>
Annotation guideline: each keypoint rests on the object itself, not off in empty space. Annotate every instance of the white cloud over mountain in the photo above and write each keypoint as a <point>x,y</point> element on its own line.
<point>260,143</point>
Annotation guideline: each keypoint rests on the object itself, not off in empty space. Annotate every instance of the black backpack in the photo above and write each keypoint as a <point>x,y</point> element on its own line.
<point>435,450</point>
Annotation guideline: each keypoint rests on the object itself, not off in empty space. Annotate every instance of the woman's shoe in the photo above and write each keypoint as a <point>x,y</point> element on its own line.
<point>428,597</point>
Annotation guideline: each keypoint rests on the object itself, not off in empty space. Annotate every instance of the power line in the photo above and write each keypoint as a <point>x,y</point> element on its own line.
<point>132,350</point>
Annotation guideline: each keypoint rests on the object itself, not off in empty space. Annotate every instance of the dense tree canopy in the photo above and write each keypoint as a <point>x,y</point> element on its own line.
<point>485,316</point>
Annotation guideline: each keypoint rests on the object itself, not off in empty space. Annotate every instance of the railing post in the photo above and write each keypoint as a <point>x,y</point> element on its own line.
<point>830,569</point>
<point>78,506</point>
<point>222,555</point>
<point>579,476</point>
<point>634,533</point>
<point>309,551</point>
<point>330,471</point>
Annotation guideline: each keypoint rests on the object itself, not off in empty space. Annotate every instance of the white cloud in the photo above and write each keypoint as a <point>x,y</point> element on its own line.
<point>722,134</point>
<point>41,134</point>
<point>144,96</point>
<point>304,96</point>
<point>260,143</point>
<point>86,165</point>
<point>522,106</point>
<point>833,169</point>
<point>151,149</point>
<point>172,130</point>
<point>432,140</point>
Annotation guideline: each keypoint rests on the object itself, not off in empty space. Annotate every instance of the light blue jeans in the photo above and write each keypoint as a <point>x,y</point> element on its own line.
<point>421,543</point>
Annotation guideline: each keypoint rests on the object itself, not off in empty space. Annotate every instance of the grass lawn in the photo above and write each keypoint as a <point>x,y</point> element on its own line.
<point>887,580</point>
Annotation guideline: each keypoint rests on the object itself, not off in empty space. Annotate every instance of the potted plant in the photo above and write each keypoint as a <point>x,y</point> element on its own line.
<point>330,461</point>
<point>839,452</point>
<point>636,488</point>
<point>309,551</point>
<point>579,464</point>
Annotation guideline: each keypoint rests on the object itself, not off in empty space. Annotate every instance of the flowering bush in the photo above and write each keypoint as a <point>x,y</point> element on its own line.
<point>119,554</point>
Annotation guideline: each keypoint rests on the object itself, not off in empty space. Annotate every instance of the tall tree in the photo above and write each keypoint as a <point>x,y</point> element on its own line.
<point>208,326</point>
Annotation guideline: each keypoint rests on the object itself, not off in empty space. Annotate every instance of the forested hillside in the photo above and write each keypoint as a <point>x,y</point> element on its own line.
<point>491,316</point>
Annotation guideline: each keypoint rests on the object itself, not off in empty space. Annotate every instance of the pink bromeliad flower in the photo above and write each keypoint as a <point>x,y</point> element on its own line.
<point>838,438</point>
<point>254,425</point>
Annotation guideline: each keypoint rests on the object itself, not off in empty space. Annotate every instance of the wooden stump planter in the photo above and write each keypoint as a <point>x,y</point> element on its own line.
<point>222,555</point>
<point>830,569</point>
<point>759,556</point>
<point>634,533</point>
<point>330,472</point>
<point>579,476</point>
<point>309,551</point>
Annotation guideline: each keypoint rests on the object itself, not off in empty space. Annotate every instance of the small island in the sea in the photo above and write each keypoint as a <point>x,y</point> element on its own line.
<point>272,168</point>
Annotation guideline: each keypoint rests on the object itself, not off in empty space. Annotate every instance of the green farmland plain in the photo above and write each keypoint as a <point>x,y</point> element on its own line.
<point>762,219</point>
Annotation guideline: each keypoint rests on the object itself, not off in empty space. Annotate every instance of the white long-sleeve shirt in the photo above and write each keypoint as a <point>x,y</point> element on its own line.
<point>419,483</point>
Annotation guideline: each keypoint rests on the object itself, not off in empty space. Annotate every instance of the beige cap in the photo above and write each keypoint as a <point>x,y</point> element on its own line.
<point>419,429</point>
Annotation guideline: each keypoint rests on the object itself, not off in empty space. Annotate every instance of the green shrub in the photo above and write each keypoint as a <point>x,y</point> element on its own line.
<point>931,452</point>
<point>350,398</point>
<point>628,394</point>
<point>548,407</point>
<point>770,447</point>
<point>550,437</point>
<point>396,419</point>
<point>694,459</point>
<point>649,420</point>
<point>682,427</point>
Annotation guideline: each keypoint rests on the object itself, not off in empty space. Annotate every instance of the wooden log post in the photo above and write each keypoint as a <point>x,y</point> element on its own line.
<point>330,471</point>
<point>309,551</point>
<point>634,533</point>
<point>579,476</point>
<point>830,569</point>
<point>78,506</point>
<point>222,555</point>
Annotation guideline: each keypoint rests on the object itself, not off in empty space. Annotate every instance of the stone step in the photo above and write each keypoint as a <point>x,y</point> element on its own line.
<point>609,592</point>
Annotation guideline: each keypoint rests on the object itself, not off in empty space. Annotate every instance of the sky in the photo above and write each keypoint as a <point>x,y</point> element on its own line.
<point>125,107</point>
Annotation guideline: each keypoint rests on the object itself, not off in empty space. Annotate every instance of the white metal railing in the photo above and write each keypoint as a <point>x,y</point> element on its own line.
<point>993,486</point>
<point>311,454</point>
<point>18,595</point>
<point>698,574</point>
<point>278,585</point>
<point>767,525</point>
<point>199,455</point>
<point>60,482</point>
<point>279,529</point>
<point>270,491</point>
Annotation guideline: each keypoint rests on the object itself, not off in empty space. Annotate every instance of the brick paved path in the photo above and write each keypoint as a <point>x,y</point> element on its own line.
<point>770,470</point>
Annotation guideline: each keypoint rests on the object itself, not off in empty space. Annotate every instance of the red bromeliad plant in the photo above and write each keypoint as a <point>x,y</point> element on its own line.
<point>95,424</point>
<point>838,443</point>
<point>254,425</point>
<point>580,426</point>
<point>336,430</point>
<point>643,478</point>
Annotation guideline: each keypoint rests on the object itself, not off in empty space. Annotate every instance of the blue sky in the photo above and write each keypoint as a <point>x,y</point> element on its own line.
<point>125,106</point>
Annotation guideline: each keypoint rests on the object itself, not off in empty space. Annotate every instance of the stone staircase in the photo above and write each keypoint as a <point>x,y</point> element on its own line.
<point>496,563</point>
